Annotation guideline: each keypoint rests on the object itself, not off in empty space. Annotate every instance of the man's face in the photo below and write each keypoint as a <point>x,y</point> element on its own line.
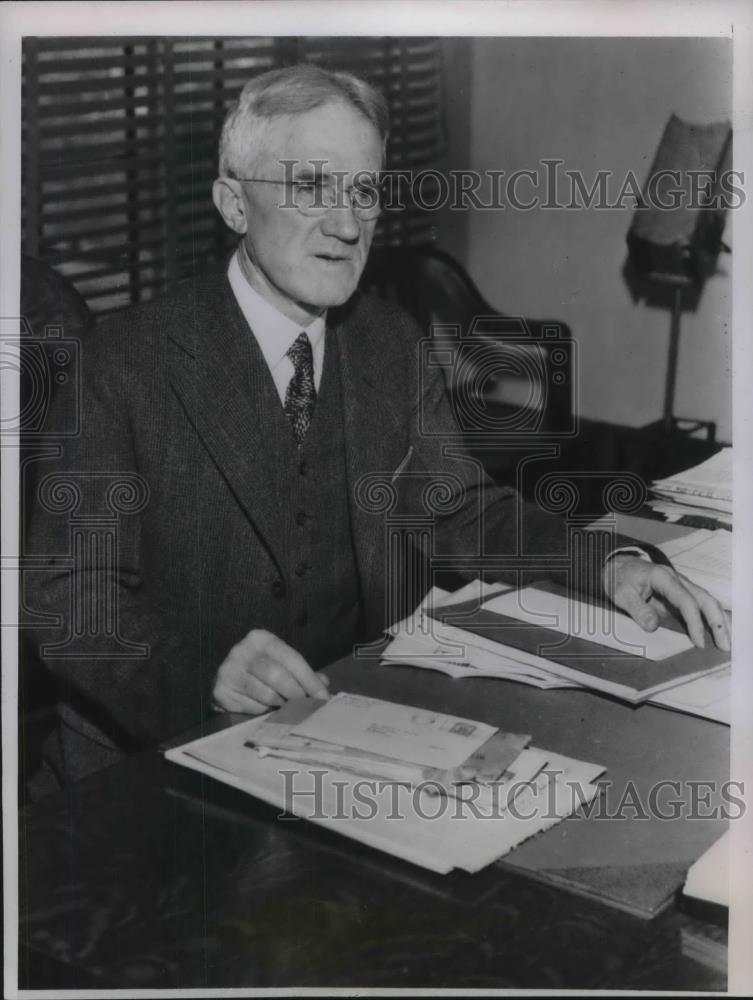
<point>304,264</point>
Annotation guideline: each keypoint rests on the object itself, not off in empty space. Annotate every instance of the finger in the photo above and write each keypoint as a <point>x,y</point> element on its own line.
<point>276,676</point>
<point>668,585</point>
<point>310,682</point>
<point>227,699</point>
<point>255,688</point>
<point>660,606</point>
<point>713,613</point>
<point>628,599</point>
<point>324,693</point>
<point>267,697</point>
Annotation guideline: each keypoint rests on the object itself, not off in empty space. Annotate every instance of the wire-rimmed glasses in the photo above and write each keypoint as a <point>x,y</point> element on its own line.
<point>318,195</point>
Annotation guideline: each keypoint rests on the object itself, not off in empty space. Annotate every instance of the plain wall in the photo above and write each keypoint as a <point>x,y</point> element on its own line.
<point>596,104</point>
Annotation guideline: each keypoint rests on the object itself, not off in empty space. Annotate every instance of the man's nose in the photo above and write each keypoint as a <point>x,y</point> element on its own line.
<point>340,221</point>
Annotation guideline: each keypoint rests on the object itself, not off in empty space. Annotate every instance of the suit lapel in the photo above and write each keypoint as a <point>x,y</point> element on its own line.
<point>375,429</point>
<point>223,389</point>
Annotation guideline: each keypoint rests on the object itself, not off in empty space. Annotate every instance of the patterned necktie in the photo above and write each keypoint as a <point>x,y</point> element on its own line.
<point>301,393</point>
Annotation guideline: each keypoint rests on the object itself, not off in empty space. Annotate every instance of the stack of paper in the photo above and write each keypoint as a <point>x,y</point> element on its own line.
<point>704,491</point>
<point>541,636</point>
<point>424,641</point>
<point>705,558</point>
<point>439,790</point>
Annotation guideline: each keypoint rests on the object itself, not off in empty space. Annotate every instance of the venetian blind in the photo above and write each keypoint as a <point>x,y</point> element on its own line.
<point>120,147</point>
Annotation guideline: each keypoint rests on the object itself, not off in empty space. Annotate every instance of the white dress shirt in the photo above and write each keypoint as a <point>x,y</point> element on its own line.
<point>274,332</point>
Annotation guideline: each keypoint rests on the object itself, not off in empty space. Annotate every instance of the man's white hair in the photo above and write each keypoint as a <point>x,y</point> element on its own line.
<point>290,91</point>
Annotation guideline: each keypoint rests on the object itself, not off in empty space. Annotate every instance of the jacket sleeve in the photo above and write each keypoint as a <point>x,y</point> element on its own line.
<point>86,607</point>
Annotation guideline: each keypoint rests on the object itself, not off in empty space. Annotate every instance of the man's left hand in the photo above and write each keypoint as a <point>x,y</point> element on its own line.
<point>643,589</point>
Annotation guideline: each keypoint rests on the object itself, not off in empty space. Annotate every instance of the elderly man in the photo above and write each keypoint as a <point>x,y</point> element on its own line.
<point>251,404</point>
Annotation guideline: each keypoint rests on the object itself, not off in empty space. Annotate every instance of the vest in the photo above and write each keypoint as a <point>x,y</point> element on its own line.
<point>320,613</point>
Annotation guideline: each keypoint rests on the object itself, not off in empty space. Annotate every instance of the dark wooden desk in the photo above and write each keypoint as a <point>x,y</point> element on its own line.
<point>601,451</point>
<point>148,875</point>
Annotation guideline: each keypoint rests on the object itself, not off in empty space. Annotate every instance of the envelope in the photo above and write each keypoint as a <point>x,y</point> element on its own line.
<point>416,735</point>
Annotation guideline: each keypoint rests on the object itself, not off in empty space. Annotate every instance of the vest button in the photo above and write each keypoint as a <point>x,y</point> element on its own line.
<point>303,467</point>
<point>278,588</point>
<point>301,569</point>
<point>301,517</point>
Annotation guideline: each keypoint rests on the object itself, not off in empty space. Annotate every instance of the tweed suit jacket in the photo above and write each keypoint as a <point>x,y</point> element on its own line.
<point>171,395</point>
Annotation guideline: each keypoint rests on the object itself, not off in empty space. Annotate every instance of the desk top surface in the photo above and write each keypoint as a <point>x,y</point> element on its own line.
<point>150,876</point>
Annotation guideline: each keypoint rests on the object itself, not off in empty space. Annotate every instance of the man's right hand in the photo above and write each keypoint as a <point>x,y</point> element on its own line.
<point>261,672</point>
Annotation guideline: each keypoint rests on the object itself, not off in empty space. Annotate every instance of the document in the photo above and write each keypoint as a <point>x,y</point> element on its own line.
<point>495,797</point>
<point>432,652</point>
<point>707,697</point>
<point>545,629</point>
<point>415,735</point>
<point>605,627</point>
<point>472,837</point>
<point>492,762</point>
<point>675,511</point>
<point>354,762</point>
<point>705,489</point>
<point>711,479</point>
<point>494,758</point>
<point>542,637</point>
<point>705,558</point>
<point>708,878</point>
<point>421,640</point>
<point>274,738</point>
<point>476,590</point>
<point>465,826</point>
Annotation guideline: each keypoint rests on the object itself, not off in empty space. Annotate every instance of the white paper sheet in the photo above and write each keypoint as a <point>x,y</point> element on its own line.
<point>705,557</point>
<point>712,478</point>
<point>429,830</point>
<point>430,653</point>
<point>708,877</point>
<point>708,697</point>
<point>490,655</point>
<point>674,511</point>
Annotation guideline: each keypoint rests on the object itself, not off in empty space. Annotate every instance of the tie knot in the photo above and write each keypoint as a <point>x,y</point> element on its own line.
<point>300,352</point>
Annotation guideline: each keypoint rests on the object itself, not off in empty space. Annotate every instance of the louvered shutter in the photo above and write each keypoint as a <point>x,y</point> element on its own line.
<point>120,147</point>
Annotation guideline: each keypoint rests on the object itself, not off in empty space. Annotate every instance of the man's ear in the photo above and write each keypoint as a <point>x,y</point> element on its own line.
<point>228,200</point>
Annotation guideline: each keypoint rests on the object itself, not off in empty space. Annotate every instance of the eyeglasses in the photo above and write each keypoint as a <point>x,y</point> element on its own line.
<point>315,197</point>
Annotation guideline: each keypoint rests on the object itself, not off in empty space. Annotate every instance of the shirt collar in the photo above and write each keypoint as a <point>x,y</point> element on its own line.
<point>274,332</point>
